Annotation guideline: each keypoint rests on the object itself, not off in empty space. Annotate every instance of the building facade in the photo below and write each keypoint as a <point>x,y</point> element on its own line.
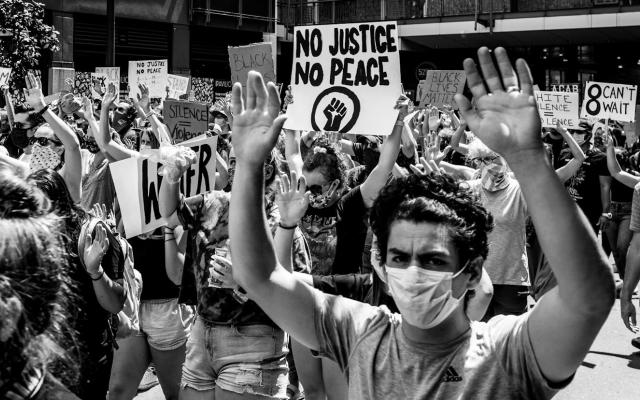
<point>564,41</point>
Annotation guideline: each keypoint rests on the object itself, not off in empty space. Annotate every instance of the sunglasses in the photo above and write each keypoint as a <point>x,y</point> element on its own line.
<point>42,141</point>
<point>483,160</point>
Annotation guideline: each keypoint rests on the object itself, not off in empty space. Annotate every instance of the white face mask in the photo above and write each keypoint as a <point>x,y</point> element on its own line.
<point>424,297</point>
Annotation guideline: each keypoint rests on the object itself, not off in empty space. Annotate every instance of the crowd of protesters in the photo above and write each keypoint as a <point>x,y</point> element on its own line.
<point>323,265</point>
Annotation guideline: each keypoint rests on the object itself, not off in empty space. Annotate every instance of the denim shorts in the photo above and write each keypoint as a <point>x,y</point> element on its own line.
<point>165,323</point>
<point>620,211</point>
<point>240,359</point>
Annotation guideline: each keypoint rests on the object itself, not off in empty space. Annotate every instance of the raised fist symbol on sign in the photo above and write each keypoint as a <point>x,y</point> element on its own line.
<point>335,113</point>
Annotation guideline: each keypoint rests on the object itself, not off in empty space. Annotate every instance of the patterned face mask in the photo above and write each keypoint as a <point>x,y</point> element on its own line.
<point>494,177</point>
<point>43,157</point>
<point>320,200</point>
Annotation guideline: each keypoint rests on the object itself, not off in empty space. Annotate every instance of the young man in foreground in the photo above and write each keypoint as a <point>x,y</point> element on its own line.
<point>432,239</point>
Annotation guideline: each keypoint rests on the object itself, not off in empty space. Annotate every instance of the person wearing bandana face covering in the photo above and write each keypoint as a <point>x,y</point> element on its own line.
<point>433,234</point>
<point>506,262</point>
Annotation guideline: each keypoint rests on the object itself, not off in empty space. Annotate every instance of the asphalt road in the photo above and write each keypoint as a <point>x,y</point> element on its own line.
<point>611,370</point>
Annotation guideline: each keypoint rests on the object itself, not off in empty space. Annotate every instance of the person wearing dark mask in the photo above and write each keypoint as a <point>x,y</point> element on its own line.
<point>123,117</point>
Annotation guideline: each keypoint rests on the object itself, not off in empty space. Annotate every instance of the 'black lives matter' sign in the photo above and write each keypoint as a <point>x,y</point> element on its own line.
<point>345,78</point>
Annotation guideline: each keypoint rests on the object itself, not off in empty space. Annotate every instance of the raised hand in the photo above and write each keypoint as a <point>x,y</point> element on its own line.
<point>402,104</point>
<point>505,118</point>
<point>292,200</point>
<point>142,101</point>
<point>426,167</point>
<point>109,96</point>
<point>95,249</point>
<point>255,128</point>
<point>87,108</point>
<point>33,92</point>
<point>434,119</point>
<point>335,112</point>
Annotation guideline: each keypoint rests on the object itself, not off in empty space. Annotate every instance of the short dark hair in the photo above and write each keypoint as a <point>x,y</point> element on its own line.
<point>435,198</point>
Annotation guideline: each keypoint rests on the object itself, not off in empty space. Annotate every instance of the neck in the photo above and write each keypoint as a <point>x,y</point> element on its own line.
<point>451,328</point>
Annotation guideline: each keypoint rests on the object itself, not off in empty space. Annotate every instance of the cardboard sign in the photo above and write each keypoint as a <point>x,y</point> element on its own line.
<point>5,74</point>
<point>609,101</point>
<point>345,78</point>
<point>558,107</point>
<point>439,88</point>
<point>152,73</point>
<point>566,87</point>
<point>178,86</point>
<point>112,74</point>
<point>185,119</point>
<point>138,184</point>
<point>99,82</point>
<point>257,57</point>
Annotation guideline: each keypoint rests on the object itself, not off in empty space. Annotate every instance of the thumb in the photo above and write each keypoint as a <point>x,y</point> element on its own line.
<point>87,241</point>
<point>276,127</point>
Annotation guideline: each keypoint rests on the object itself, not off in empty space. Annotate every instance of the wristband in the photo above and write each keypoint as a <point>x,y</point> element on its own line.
<point>607,215</point>
<point>44,110</point>
<point>99,276</point>
<point>287,228</point>
<point>400,123</point>
<point>150,113</point>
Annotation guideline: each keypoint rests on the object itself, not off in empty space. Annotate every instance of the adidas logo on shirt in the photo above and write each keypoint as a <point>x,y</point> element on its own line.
<point>451,375</point>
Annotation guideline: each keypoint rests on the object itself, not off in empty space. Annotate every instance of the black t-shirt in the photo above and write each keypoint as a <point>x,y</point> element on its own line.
<point>556,148</point>
<point>365,155</point>
<point>148,257</point>
<point>584,186</point>
<point>619,191</point>
<point>365,288</point>
<point>336,235</point>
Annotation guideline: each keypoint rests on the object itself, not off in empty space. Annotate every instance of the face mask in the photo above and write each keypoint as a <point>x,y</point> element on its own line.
<point>19,137</point>
<point>144,147</point>
<point>319,200</point>
<point>424,297</point>
<point>494,177</point>
<point>43,157</point>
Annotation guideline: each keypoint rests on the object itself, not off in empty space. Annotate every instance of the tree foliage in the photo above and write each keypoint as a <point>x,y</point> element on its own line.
<point>24,38</point>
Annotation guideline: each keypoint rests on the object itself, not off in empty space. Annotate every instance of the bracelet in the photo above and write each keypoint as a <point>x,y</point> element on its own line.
<point>44,110</point>
<point>170,240</point>
<point>147,115</point>
<point>399,123</point>
<point>99,276</point>
<point>166,228</point>
<point>287,228</point>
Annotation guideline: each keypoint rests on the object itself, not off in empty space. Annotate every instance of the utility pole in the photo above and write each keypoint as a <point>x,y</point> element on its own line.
<point>111,34</point>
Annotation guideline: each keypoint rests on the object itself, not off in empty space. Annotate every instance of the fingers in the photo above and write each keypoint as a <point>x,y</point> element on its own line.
<point>302,184</point>
<point>474,79</point>
<point>509,78</point>
<point>237,106</point>
<point>491,76</point>
<point>427,165</point>
<point>416,170</point>
<point>273,106</point>
<point>468,113</point>
<point>251,92</point>
<point>261,95</point>
<point>286,184</point>
<point>276,127</point>
<point>524,74</point>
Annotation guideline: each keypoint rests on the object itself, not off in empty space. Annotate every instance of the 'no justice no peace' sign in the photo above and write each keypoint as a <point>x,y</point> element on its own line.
<point>345,78</point>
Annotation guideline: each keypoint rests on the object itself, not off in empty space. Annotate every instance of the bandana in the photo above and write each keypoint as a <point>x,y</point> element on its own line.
<point>43,157</point>
<point>494,177</point>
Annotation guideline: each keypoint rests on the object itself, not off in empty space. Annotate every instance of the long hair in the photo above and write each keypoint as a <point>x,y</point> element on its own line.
<point>34,293</point>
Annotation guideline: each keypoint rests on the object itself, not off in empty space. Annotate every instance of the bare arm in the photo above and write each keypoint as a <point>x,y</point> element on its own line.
<point>457,138</point>
<point>616,171</point>
<point>631,279</point>
<point>222,176</point>
<point>173,258</point>
<point>292,150</point>
<point>566,320</point>
<point>289,302</point>
<point>388,156</point>
<point>110,294</point>
<point>106,144</point>
<point>9,105</point>
<point>19,167</point>
<point>72,169</point>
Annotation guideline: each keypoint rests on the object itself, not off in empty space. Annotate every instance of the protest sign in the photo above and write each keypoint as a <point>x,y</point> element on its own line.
<point>178,86</point>
<point>138,185</point>
<point>565,87</point>
<point>112,74</point>
<point>440,86</point>
<point>5,74</point>
<point>345,78</point>
<point>152,73</point>
<point>257,57</point>
<point>609,101</point>
<point>99,82</point>
<point>558,107</point>
<point>185,119</point>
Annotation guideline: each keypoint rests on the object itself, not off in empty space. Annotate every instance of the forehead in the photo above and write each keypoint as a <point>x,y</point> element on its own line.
<point>420,237</point>
<point>315,178</point>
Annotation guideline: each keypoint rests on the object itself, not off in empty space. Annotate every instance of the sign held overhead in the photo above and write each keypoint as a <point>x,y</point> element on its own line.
<point>609,101</point>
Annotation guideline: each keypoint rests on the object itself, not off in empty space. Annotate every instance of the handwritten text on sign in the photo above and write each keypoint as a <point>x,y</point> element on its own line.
<point>440,86</point>
<point>152,73</point>
<point>178,86</point>
<point>609,100</point>
<point>257,57</point>
<point>558,107</point>
<point>138,192</point>
<point>185,119</point>
<point>345,78</point>
<point>5,73</point>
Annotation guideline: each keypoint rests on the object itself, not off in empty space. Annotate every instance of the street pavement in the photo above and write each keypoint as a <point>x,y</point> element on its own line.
<point>611,370</point>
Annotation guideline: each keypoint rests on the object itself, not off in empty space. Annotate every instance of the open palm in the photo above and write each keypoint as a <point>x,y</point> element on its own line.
<point>255,127</point>
<point>292,199</point>
<point>505,118</point>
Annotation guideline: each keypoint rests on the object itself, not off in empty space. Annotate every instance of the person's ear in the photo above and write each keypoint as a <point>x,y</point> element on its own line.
<point>475,271</point>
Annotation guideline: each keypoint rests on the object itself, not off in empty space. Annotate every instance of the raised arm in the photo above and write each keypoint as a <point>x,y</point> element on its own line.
<point>571,168</point>
<point>566,320</point>
<point>292,199</point>
<point>292,150</point>
<point>614,166</point>
<point>390,149</point>
<point>288,302</point>
<point>173,257</point>
<point>456,140</point>
<point>107,145</point>
<point>143,108</point>
<point>9,105</point>
<point>72,170</point>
